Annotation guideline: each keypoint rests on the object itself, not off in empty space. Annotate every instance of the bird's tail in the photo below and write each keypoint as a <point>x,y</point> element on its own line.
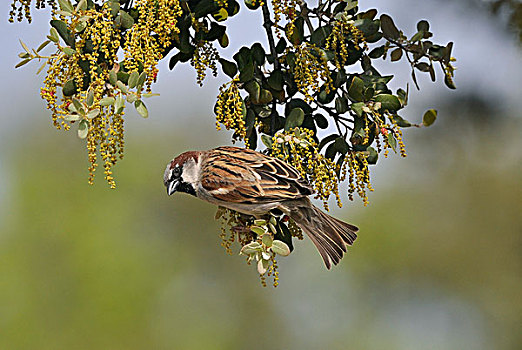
<point>330,235</point>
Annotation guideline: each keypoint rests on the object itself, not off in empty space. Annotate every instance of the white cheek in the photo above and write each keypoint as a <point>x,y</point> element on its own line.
<point>191,173</point>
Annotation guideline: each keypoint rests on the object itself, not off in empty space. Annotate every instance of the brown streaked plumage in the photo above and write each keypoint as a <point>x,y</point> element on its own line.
<point>253,183</point>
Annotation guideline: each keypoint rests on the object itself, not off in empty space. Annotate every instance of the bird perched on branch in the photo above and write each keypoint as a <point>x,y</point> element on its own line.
<point>252,183</point>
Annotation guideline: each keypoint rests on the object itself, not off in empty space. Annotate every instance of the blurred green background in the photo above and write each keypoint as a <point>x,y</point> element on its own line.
<point>437,265</point>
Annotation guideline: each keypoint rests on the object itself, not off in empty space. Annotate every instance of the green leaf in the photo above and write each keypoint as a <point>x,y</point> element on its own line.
<point>258,53</point>
<point>357,108</point>
<point>423,66</point>
<point>78,106</point>
<point>216,31</point>
<point>417,36</point>
<point>423,26</point>
<point>297,34</point>
<point>228,67</point>
<point>389,29</point>
<point>367,26</point>
<point>373,156</point>
<point>341,145</point>
<point>114,5</point>
<point>219,213</point>
<point>223,41</point>
<point>377,52</point>
<point>341,105</point>
<point>107,101</point>
<point>43,45</point>
<point>133,79</point>
<point>265,97</point>
<point>93,113</point>
<point>123,88</point>
<point>325,97</point>
<point>252,4</point>
<point>41,68</point>
<point>205,7</point>
<point>396,54</point>
<point>221,15</point>
<point>141,79</point>
<point>65,5</point>
<point>294,119</point>
<point>403,123</point>
<point>331,151</point>
<point>283,234</point>
<point>257,230</point>
<point>68,51</point>
<point>355,90</point>
<point>64,32</point>
<point>281,46</point>
<point>72,117</point>
<point>262,266</point>
<point>267,240</point>
<point>113,77</point>
<point>403,96</point>
<point>141,108</point>
<point>246,73</point>
<point>388,102</point>
<point>147,95</point>
<point>125,20</point>
<point>447,53</point>
<point>254,90</point>
<point>82,5</point>
<point>350,5</point>
<point>319,35</point>
<point>251,248</point>
<point>372,79</point>
<point>69,88</point>
<point>321,121</point>
<point>54,37</point>
<point>370,14</point>
<point>120,104</point>
<point>280,248</point>
<point>83,129</point>
<point>276,81</point>
<point>89,100</point>
<point>131,98</point>
<point>391,141</point>
<point>267,141</point>
<point>259,222</point>
<point>429,117</point>
<point>22,63</point>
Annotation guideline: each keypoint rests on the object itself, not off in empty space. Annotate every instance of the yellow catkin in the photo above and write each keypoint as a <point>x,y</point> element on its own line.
<point>311,70</point>
<point>205,57</point>
<point>298,148</point>
<point>336,41</point>
<point>229,110</point>
<point>144,45</point>
<point>286,9</point>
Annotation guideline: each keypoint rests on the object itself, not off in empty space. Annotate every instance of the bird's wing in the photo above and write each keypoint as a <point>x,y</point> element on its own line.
<point>244,176</point>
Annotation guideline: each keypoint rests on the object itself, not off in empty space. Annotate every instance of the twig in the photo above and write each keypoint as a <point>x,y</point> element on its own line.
<point>267,24</point>
<point>304,13</point>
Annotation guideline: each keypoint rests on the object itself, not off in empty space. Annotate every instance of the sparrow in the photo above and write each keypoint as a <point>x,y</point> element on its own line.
<point>255,184</point>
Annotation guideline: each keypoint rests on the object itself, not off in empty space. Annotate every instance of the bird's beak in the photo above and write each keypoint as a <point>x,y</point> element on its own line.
<point>172,187</point>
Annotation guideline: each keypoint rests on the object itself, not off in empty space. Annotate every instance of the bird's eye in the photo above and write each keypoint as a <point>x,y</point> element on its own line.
<point>176,172</point>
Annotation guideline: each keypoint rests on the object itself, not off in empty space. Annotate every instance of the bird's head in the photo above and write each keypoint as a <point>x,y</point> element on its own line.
<point>182,173</point>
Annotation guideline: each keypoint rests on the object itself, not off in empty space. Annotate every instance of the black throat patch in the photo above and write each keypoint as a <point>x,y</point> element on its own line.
<point>187,188</point>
